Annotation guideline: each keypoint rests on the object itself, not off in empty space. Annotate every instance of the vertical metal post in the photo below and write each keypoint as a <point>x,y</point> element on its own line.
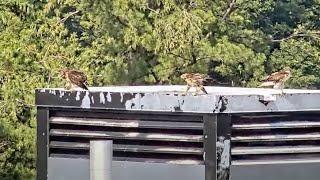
<point>42,143</point>
<point>210,138</point>
<point>223,146</point>
<point>101,153</point>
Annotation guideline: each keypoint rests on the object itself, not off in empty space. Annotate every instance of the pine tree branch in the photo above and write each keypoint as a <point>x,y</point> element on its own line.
<point>20,101</point>
<point>153,73</point>
<point>315,35</point>
<point>228,11</point>
<point>179,56</point>
<point>3,144</point>
<point>152,10</point>
<point>67,17</point>
<point>120,21</point>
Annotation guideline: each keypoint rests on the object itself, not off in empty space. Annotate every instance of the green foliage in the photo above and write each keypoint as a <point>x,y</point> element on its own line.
<point>303,57</point>
<point>119,42</point>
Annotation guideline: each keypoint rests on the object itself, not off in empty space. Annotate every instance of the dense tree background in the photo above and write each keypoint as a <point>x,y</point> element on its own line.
<point>132,42</point>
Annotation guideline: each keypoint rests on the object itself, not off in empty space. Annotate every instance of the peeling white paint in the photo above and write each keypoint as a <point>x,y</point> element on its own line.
<point>102,98</point>
<point>109,98</point>
<point>92,99</point>
<point>133,103</point>
<point>78,96</point>
<point>121,97</point>
<point>52,92</point>
<point>225,155</point>
<point>169,98</point>
<point>61,94</point>
<point>86,101</point>
<point>269,97</point>
<point>154,101</point>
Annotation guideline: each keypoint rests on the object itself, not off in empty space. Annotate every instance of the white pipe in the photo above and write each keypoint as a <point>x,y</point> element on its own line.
<point>101,153</point>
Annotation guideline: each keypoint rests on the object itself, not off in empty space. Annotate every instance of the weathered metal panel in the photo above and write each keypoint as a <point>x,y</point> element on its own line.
<point>256,146</point>
<point>125,101</point>
<point>219,100</point>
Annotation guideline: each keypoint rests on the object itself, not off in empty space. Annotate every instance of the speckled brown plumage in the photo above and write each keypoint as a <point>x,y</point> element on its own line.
<point>277,79</point>
<point>196,80</point>
<point>74,78</point>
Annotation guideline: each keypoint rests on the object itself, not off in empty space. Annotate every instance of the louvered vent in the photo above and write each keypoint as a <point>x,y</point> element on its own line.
<point>275,138</point>
<point>136,137</point>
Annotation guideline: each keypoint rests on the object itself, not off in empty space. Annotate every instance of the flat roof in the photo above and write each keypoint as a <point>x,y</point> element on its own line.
<point>214,90</point>
<point>171,98</point>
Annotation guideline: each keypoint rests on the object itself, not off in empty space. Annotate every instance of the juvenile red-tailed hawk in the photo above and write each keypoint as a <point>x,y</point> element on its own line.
<point>277,79</point>
<point>74,78</point>
<point>196,80</point>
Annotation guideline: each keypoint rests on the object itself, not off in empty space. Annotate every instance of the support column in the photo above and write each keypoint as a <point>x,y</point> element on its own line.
<point>101,153</point>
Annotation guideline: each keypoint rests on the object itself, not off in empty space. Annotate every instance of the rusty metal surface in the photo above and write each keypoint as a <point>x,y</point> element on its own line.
<point>171,99</point>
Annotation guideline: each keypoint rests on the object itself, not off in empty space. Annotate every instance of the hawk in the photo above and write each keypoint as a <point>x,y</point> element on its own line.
<point>277,79</point>
<point>196,80</point>
<point>74,78</point>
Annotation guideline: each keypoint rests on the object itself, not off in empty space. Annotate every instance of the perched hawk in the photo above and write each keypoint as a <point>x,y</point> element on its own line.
<point>277,79</point>
<point>74,79</point>
<point>196,80</point>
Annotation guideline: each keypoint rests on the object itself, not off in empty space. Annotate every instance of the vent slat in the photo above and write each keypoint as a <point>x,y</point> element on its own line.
<point>130,115</point>
<point>277,161</point>
<point>130,148</point>
<point>126,135</point>
<point>277,125</point>
<point>275,150</point>
<point>127,123</point>
<point>160,137</point>
<point>277,137</point>
<point>167,161</point>
<point>149,160</point>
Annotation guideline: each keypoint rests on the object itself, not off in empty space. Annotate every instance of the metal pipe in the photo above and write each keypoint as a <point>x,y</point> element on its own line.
<point>101,153</point>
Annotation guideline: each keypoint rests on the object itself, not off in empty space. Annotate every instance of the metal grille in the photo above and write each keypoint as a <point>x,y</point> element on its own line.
<point>275,138</point>
<point>137,137</point>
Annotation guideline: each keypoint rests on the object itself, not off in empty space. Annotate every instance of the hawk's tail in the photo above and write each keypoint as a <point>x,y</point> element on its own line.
<point>84,85</point>
<point>203,89</point>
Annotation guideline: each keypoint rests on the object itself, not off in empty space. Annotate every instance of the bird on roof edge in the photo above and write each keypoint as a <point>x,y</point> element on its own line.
<point>196,80</point>
<point>74,79</point>
<point>277,79</point>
